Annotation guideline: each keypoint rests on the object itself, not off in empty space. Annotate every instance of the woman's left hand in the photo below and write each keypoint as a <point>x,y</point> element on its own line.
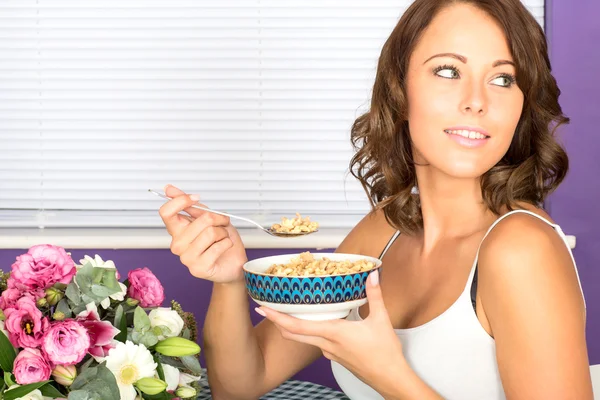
<point>369,348</point>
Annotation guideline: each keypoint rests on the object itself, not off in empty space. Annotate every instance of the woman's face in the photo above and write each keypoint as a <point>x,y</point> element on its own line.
<point>464,103</point>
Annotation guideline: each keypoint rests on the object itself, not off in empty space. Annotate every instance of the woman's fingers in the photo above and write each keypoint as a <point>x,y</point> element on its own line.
<point>173,192</point>
<point>169,212</point>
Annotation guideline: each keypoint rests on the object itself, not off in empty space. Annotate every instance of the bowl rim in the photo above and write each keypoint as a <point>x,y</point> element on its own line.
<point>377,261</point>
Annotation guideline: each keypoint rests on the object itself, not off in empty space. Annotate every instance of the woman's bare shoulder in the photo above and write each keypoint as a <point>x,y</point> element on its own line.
<point>369,236</point>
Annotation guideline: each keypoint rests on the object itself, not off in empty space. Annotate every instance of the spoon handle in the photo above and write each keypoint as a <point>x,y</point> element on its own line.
<point>209,210</point>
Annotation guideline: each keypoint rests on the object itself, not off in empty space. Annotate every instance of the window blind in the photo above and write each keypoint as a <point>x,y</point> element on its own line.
<point>247,103</point>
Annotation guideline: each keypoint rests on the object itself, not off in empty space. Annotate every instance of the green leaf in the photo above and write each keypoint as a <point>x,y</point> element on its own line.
<point>186,333</point>
<point>22,390</point>
<point>50,391</point>
<point>165,330</point>
<point>159,368</point>
<point>121,324</point>
<point>73,293</point>
<point>84,395</point>
<point>63,307</point>
<point>148,339</point>
<point>7,353</point>
<point>101,290</point>
<point>86,364</point>
<point>192,363</point>
<point>172,361</point>
<point>97,274</point>
<point>141,320</point>
<point>160,396</point>
<point>8,379</point>
<point>110,280</point>
<point>95,383</point>
<point>60,286</point>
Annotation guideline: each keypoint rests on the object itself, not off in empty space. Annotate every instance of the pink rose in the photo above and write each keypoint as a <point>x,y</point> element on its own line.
<point>145,287</point>
<point>15,291</point>
<point>30,367</point>
<point>25,324</point>
<point>66,342</point>
<point>42,266</point>
<point>101,333</point>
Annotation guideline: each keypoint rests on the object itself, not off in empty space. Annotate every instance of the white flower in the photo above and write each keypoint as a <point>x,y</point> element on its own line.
<point>130,362</point>
<point>97,261</point>
<point>171,376</point>
<point>186,379</point>
<point>166,317</point>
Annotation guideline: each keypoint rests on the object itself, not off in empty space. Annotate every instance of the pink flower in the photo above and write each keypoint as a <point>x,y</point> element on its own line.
<point>145,287</point>
<point>30,367</point>
<point>25,324</point>
<point>101,333</point>
<point>42,266</point>
<point>66,342</point>
<point>15,291</point>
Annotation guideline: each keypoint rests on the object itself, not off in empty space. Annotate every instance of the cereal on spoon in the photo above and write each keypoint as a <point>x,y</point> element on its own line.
<point>306,265</point>
<point>295,225</point>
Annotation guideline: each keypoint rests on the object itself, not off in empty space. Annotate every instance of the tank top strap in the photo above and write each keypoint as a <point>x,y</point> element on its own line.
<point>556,228</point>
<point>496,222</point>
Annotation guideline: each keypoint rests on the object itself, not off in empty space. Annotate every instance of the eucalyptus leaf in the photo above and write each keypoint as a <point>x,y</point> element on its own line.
<point>186,333</point>
<point>84,395</point>
<point>157,331</point>
<point>192,363</point>
<point>86,364</point>
<point>97,382</point>
<point>63,307</point>
<point>141,321</point>
<point>97,274</point>
<point>110,280</point>
<point>101,291</point>
<point>148,339</point>
<point>73,293</point>
<point>136,337</point>
<point>165,330</point>
<point>173,362</point>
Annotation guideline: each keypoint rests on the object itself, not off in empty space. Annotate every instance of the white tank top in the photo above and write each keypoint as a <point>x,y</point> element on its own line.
<point>452,353</point>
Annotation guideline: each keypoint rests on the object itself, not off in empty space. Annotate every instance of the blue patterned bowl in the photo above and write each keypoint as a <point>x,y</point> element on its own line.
<point>308,297</point>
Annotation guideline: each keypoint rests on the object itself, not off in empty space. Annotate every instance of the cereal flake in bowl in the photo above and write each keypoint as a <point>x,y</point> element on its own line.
<point>315,286</point>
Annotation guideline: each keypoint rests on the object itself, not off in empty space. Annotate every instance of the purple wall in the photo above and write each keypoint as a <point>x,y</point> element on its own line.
<point>574,33</point>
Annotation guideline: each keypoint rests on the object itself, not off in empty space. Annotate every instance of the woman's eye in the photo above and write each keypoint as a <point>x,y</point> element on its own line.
<point>504,81</point>
<point>448,73</point>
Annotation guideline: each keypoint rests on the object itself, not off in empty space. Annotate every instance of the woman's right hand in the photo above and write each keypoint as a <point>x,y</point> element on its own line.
<point>206,243</point>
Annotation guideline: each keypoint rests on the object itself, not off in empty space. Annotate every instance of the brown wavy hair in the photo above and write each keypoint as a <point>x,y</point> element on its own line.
<point>534,164</point>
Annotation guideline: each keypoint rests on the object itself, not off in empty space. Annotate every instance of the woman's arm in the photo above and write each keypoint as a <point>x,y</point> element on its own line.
<point>531,297</point>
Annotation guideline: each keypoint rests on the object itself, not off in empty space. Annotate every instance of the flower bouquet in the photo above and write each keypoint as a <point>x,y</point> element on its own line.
<point>74,331</point>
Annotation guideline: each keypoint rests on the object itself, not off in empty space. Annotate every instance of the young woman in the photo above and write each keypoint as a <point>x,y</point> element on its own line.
<point>479,295</point>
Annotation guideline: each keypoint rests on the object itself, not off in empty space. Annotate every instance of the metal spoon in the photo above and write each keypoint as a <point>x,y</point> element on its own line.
<point>269,231</point>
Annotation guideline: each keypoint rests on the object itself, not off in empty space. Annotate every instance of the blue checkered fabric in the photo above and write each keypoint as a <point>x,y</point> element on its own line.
<point>288,390</point>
